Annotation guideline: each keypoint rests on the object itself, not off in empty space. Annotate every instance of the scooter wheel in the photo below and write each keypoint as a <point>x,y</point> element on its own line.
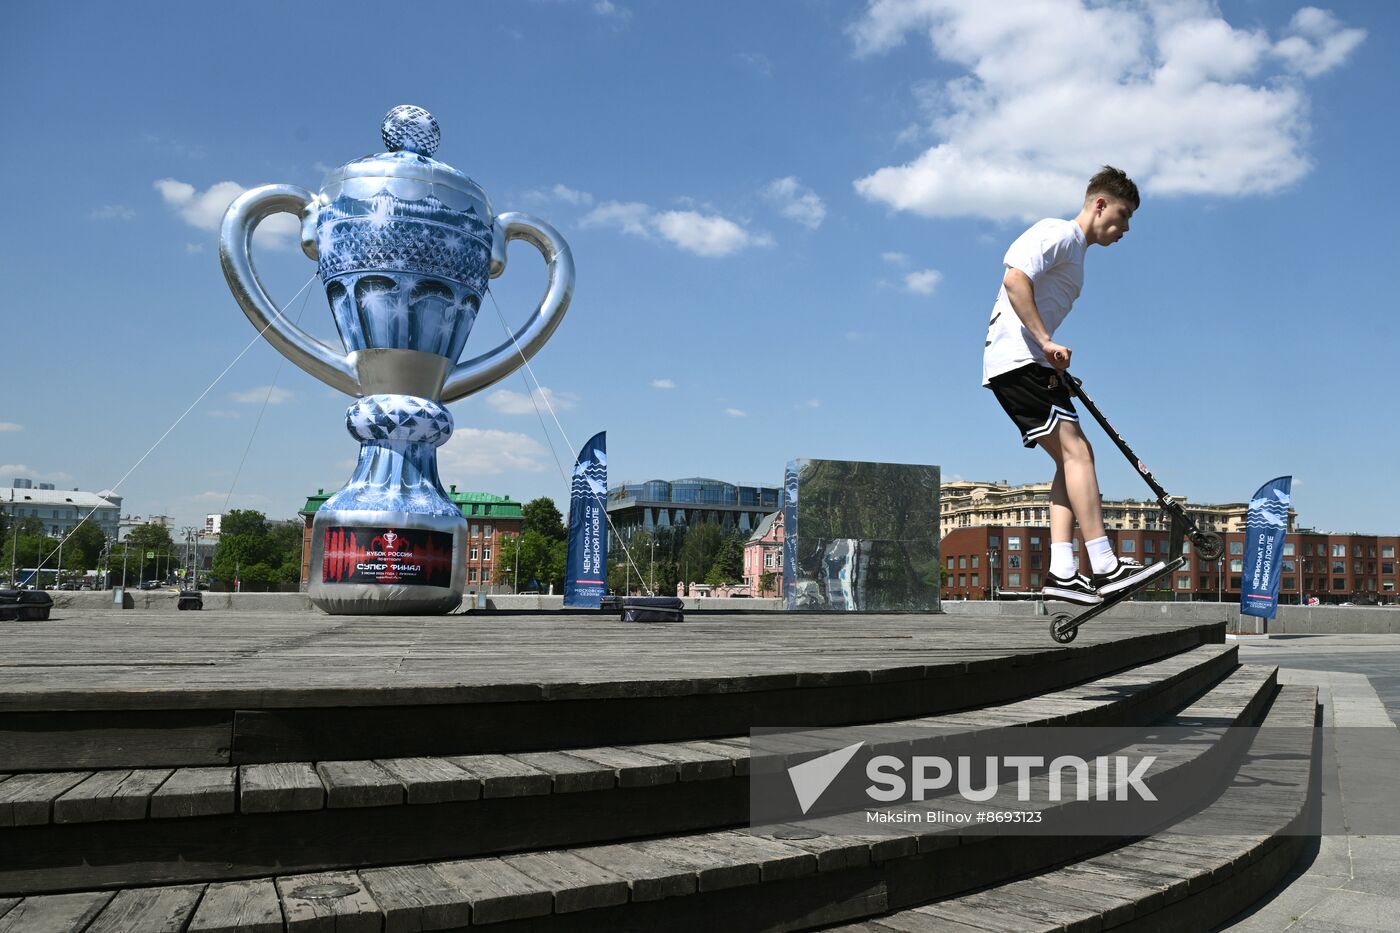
<point>1062,628</point>
<point>1209,545</point>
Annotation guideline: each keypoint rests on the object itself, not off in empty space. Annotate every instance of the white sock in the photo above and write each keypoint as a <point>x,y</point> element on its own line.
<point>1062,559</point>
<point>1101,556</point>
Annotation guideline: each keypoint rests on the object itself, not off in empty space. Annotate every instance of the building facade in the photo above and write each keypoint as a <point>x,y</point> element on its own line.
<point>490,520</point>
<point>971,504</point>
<point>1012,560</point>
<point>130,523</point>
<point>763,554</point>
<point>60,510</point>
<point>657,504</point>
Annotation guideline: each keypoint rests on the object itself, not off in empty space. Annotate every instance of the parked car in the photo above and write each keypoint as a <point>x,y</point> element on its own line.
<point>148,585</point>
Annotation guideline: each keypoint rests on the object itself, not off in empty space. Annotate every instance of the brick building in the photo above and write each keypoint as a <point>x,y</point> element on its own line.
<point>490,519</point>
<point>968,504</point>
<point>1334,568</point>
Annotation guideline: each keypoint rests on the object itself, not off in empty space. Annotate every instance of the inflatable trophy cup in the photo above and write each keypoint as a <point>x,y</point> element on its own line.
<point>405,246</point>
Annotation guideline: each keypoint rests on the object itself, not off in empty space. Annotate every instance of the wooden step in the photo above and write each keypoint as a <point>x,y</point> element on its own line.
<point>226,823</point>
<point>733,879</point>
<point>1188,878</point>
<point>319,689</point>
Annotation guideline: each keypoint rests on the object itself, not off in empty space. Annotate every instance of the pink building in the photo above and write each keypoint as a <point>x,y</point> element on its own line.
<point>764,554</point>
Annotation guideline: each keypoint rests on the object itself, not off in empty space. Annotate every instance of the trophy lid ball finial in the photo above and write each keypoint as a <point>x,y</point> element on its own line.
<point>410,129</point>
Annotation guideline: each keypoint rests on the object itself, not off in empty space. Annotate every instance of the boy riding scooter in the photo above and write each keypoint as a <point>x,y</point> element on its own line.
<point>1023,366</point>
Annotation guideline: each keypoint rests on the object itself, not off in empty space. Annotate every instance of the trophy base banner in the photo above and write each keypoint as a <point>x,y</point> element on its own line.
<point>377,563</point>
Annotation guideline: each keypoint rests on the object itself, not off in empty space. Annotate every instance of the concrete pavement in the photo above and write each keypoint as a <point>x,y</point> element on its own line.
<point>1349,882</point>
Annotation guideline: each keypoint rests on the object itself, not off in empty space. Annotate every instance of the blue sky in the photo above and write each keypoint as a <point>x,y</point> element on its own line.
<point>788,220</point>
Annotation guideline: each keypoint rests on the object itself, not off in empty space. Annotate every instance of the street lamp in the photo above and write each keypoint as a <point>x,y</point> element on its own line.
<point>992,572</point>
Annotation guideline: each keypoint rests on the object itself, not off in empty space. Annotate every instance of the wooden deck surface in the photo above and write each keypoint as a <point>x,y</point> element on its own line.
<point>114,659</point>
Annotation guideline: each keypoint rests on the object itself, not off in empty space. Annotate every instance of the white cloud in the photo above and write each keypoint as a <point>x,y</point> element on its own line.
<point>10,426</point>
<point>561,193</point>
<point>1198,106</point>
<point>796,202</point>
<point>477,452</point>
<point>22,471</point>
<point>1319,42</point>
<point>273,395</point>
<point>809,404</point>
<point>662,384</point>
<point>629,217</point>
<point>736,413</point>
<point>923,282</point>
<point>518,403</point>
<point>706,234</point>
<point>221,413</point>
<point>239,500</point>
<point>691,231</point>
<point>609,10</point>
<point>112,212</point>
<point>204,210</point>
<point>896,259</point>
<point>760,63</point>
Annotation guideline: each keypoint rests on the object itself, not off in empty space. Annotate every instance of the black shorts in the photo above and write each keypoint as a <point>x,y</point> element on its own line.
<point>1037,399</point>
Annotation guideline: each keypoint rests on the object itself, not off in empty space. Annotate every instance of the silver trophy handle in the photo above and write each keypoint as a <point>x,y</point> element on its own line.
<point>235,243</point>
<point>481,371</point>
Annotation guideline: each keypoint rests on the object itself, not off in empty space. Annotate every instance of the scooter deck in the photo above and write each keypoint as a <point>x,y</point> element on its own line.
<point>1064,627</point>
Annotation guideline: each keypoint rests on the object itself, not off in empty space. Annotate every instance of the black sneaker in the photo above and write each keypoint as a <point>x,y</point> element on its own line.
<point>1072,589</point>
<point>1128,573</point>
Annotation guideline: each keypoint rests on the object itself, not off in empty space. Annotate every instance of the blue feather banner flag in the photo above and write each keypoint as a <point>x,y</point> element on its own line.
<point>1265,527</point>
<point>586,576</point>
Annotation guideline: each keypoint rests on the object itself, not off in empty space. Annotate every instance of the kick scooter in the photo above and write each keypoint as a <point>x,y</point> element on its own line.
<point>1208,544</point>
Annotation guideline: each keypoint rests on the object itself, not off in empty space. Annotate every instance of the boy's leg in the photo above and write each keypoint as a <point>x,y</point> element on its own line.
<point>1039,403</point>
<point>1062,581</point>
<point>1078,485</point>
<point>1075,490</point>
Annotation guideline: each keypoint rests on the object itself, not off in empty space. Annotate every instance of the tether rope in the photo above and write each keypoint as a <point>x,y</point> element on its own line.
<point>39,570</point>
<point>568,478</point>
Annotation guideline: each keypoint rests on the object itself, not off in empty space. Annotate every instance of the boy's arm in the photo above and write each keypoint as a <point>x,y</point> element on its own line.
<point>1021,293</point>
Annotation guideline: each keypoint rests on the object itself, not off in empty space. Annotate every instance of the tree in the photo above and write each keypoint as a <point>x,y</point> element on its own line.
<point>728,565</point>
<point>542,516</point>
<point>145,545</point>
<point>767,583</point>
<point>286,540</point>
<point>243,522</point>
<point>31,526</point>
<point>83,549</point>
<point>541,561</point>
<point>26,545</point>
<point>698,549</point>
<point>254,551</point>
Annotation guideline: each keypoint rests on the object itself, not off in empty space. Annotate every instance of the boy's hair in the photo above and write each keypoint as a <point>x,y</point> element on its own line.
<point>1114,183</point>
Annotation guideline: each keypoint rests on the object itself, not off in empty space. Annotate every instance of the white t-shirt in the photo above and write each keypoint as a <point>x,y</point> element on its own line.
<point>1051,254</point>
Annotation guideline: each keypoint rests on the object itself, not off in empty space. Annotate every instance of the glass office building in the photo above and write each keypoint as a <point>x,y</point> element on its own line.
<point>656,503</point>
